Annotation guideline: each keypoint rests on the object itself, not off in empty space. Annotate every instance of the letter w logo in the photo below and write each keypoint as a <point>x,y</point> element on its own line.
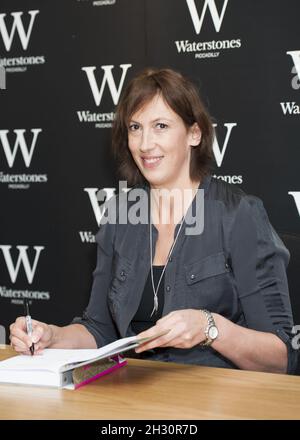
<point>220,152</point>
<point>23,258</point>
<point>295,54</point>
<point>211,5</point>
<point>107,78</point>
<point>17,25</point>
<point>19,142</point>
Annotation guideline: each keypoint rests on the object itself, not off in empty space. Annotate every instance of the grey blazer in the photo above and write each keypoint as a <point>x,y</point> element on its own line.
<point>236,267</point>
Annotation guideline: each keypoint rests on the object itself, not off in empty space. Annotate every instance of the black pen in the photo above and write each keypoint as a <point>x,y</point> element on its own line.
<point>28,324</point>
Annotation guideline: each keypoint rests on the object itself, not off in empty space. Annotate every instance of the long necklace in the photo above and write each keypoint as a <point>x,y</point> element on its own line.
<point>155,308</point>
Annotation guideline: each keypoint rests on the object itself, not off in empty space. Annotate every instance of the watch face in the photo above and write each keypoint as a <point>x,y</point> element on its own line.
<point>213,332</point>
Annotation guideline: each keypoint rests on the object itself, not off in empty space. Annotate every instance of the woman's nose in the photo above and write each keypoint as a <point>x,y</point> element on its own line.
<point>147,141</point>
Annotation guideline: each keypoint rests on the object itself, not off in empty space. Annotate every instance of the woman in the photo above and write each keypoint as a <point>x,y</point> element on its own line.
<point>222,292</point>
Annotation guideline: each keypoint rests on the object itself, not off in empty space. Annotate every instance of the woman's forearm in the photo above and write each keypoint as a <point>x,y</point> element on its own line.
<point>71,336</point>
<point>250,349</point>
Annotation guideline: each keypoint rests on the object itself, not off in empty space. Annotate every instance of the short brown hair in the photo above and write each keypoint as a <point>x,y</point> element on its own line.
<point>183,98</point>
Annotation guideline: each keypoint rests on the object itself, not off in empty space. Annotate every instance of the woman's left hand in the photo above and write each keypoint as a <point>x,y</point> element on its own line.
<point>186,330</point>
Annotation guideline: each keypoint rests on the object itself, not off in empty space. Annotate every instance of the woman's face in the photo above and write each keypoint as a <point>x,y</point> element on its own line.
<point>160,144</point>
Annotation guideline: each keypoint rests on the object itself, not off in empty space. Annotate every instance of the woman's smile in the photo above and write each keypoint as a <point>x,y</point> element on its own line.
<point>151,161</point>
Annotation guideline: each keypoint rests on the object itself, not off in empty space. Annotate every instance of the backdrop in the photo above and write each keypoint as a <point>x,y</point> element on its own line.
<point>63,67</point>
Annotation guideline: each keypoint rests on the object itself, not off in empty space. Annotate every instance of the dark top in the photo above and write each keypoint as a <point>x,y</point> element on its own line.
<point>142,320</point>
<point>235,267</point>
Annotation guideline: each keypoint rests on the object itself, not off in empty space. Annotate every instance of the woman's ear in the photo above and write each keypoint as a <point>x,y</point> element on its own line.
<point>195,135</point>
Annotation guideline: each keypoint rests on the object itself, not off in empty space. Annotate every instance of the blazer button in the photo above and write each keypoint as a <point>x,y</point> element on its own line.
<point>123,274</point>
<point>168,288</point>
<point>192,276</point>
<point>227,266</point>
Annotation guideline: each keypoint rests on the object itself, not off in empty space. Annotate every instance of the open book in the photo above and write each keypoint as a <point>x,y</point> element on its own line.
<point>68,368</point>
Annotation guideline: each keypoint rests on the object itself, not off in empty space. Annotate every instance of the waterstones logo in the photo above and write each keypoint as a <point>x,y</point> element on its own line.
<point>15,35</point>
<point>200,12</point>
<point>11,145</point>
<point>113,86</point>
<point>22,260</point>
<point>291,108</point>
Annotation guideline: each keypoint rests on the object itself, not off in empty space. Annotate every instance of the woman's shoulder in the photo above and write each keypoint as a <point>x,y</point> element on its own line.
<point>232,196</point>
<point>239,209</point>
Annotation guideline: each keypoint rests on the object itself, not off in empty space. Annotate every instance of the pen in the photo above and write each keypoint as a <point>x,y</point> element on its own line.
<point>28,323</point>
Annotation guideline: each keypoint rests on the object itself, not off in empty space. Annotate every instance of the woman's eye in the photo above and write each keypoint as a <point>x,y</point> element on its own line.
<point>161,125</point>
<point>133,127</point>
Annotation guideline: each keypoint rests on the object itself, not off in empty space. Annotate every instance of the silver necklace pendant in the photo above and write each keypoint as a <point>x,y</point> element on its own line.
<point>155,308</point>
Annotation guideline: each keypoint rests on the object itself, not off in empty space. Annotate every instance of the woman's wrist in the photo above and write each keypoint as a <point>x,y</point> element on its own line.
<point>53,335</point>
<point>225,330</point>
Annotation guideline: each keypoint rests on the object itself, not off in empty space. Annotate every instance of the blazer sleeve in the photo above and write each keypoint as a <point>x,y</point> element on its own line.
<point>259,260</point>
<point>96,317</point>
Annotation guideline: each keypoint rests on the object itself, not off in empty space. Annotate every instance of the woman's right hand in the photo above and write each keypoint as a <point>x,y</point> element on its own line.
<point>41,336</point>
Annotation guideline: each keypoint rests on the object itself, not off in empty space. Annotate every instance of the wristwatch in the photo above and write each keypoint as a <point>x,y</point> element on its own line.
<point>211,331</point>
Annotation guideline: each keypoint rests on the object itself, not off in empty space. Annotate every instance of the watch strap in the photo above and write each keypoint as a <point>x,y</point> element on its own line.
<point>210,322</point>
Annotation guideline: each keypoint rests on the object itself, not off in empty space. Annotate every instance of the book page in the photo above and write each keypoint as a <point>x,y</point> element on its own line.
<point>116,347</point>
<point>58,360</point>
<point>50,360</point>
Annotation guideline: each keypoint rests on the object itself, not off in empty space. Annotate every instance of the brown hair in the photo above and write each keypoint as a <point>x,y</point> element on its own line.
<point>183,98</point>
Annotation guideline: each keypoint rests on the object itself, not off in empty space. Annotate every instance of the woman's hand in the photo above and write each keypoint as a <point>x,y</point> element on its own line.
<point>186,330</point>
<point>21,341</point>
